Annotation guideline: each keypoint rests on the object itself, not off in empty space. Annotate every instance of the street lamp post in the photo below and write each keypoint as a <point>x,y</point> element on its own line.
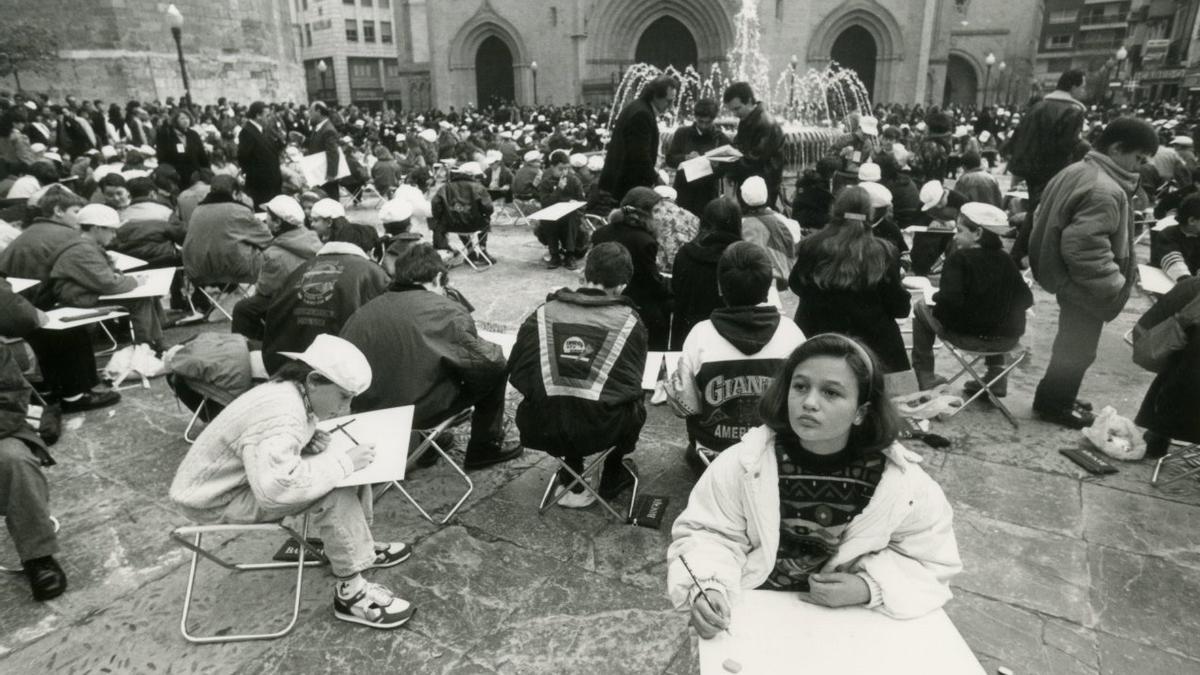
<point>175,18</point>
<point>987,78</point>
<point>999,83</point>
<point>321,68</point>
<point>533,68</point>
<point>1122,54</point>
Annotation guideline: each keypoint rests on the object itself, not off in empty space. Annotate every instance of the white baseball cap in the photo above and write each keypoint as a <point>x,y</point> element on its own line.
<point>338,360</point>
<point>23,188</point>
<point>869,125</point>
<point>754,191</point>
<point>471,169</point>
<point>99,215</point>
<point>328,208</point>
<point>596,163</point>
<point>286,209</point>
<point>395,211</point>
<point>1184,141</point>
<point>493,156</point>
<point>986,216</point>
<point>869,172</point>
<point>880,196</point>
<point>533,156</point>
<point>578,160</point>
<point>428,135</point>
<point>931,194</point>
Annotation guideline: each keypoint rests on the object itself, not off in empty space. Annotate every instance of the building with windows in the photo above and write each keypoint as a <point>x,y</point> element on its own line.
<point>460,52</point>
<point>1134,50</point>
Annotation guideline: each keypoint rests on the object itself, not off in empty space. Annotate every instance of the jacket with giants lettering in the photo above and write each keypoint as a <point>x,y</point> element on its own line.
<point>578,362</point>
<point>727,363</point>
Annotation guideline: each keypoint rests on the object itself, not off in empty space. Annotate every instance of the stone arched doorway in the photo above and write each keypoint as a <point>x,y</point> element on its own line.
<point>667,42</point>
<point>962,82</point>
<point>494,81</point>
<point>855,49</point>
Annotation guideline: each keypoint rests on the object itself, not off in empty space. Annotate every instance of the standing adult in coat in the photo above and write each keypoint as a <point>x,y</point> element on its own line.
<point>324,138</point>
<point>258,155</point>
<point>1081,250</point>
<point>180,146</point>
<point>633,150</point>
<point>690,142</point>
<point>759,138</point>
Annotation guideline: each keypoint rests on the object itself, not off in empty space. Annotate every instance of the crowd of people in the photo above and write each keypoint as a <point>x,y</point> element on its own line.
<point>777,410</point>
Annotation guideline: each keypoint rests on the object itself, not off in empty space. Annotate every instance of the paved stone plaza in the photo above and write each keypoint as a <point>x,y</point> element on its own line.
<point>1064,573</point>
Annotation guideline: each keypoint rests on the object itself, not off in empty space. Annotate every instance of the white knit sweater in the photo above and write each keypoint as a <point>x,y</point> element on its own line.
<point>257,441</point>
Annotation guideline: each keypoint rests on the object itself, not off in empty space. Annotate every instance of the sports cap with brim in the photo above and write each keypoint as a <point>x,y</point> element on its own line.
<point>328,208</point>
<point>99,215</point>
<point>931,194</point>
<point>395,211</point>
<point>286,209</point>
<point>338,361</point>
<point>987,216</point>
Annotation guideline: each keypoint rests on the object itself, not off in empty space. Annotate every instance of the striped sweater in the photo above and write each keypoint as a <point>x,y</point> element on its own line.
<point>257,442</point>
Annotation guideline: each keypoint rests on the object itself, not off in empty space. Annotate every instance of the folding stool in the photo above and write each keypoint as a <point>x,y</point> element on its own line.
<point>1187,458</point>
<point>238,290</point>
<point>429,442</point>
<point>968,359</point>
<point>196,532</point>
<point>592,467</point>
<point>469,246</point>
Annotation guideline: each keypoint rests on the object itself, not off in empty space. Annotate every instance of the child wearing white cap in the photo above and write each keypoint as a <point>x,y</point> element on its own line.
<point>293,243</point>
<point>263,459</point>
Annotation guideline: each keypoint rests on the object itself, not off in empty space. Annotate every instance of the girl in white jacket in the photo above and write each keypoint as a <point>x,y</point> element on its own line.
<point>819,500</point>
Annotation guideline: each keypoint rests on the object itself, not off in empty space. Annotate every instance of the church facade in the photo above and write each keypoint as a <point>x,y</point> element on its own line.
<point>471,52</point>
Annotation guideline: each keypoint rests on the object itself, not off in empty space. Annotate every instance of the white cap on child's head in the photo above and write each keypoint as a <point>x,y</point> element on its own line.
<point>754,191</point>
<point>338,361</point>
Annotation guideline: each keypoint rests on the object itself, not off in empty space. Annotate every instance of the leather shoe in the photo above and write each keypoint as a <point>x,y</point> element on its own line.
<point>92,400</point>
<point>46,578</point>
<point>482,459</point>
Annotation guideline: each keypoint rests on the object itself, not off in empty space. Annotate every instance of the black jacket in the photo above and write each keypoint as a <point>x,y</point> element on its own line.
<point>578,394</point>
<point>982,294</point>
<point>694,283</point>
<point>694,196</point>
<point>1047,137</point>
<point>810,206</point>
<point>187,159</point>
<point>760,138</point>
<point>258,155</point>
<point>325,139</point>
<point>1173,399</point>
<point>869,314</point>
<point>632,152</point>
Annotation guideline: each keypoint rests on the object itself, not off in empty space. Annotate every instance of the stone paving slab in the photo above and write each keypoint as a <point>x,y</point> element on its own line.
<point>1146,599</point>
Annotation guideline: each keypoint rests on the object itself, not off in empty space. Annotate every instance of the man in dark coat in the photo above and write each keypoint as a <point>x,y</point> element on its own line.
<point>1045,143</point>
<point>324,138</point>
<point>258,155</point>
<point>759,138</point>
<point>633,149</point>
<point>690,142</point>
<point>415,329</point>
<point>180,146</point>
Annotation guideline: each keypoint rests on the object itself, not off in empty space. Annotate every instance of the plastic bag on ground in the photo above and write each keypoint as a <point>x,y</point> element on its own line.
<point>1115,436</point>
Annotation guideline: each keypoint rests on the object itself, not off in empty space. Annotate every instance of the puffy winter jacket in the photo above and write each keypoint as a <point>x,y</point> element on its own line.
<point>288,250</point>
<point>729,532</point>
<point>1081,248</point>
<point>82,273</point>
<point>578,362</point>
<point>224,243</point>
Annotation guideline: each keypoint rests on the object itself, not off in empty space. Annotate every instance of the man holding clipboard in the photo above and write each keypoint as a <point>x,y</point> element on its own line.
<point>324,138</point>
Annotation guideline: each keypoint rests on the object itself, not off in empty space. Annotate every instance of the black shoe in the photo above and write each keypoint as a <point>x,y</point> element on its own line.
<point>1072,418</point>
<point>1000,389</point>
<point>445,441</point>
<point>555,263</point>
<point>483,458</point>
<point>615,479</point>
<point>92,400</point>
<point>570,264</point>
<point>46,578</point>
<point>1081,404</point>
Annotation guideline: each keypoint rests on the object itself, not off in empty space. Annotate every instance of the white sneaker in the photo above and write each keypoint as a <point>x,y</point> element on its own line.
<point>373,606</point>
<point>577,500</point>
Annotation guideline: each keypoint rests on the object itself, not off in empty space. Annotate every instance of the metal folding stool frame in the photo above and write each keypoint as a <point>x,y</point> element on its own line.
<point>187,431</point>
<point>1188,456</point>
<point>985,386</point>
<point>471,245</point>
<point>516,204</point>
<point>197,532</point>
<point>589,467</point>
<point>214,300</point>
<point>429,442</point>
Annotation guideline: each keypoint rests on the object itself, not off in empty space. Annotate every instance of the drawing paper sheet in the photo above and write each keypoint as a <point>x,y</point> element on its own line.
<point>125,262</point>
<point>654,361</point>
<point>557,211</point>
<point>151,284</point>
<point>725,153</point>
<point>776,633</point>
<point>313,167</point>
<point>1163,224</point>
<point>1154,280</point>
<point>506,342</point>
<point>60,317</point>
<point>388,429</point>
<point>19,284</point>
<point>697,168</point>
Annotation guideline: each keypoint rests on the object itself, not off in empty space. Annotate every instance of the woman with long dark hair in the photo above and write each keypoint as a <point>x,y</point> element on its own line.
<point>820,499</point>
<point>848,281</point>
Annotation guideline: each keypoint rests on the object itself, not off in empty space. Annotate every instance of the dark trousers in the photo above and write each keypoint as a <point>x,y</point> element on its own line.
<point>24,501</point>
<point>487,420</point>
<point>250,315</point>
<point>1020,247</point>
<point>331,190</point>
<point>1073,353</point>
<point>560,237</point>
<point>926,327</point>
<point>625,442</point>
<point>67,361</point>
